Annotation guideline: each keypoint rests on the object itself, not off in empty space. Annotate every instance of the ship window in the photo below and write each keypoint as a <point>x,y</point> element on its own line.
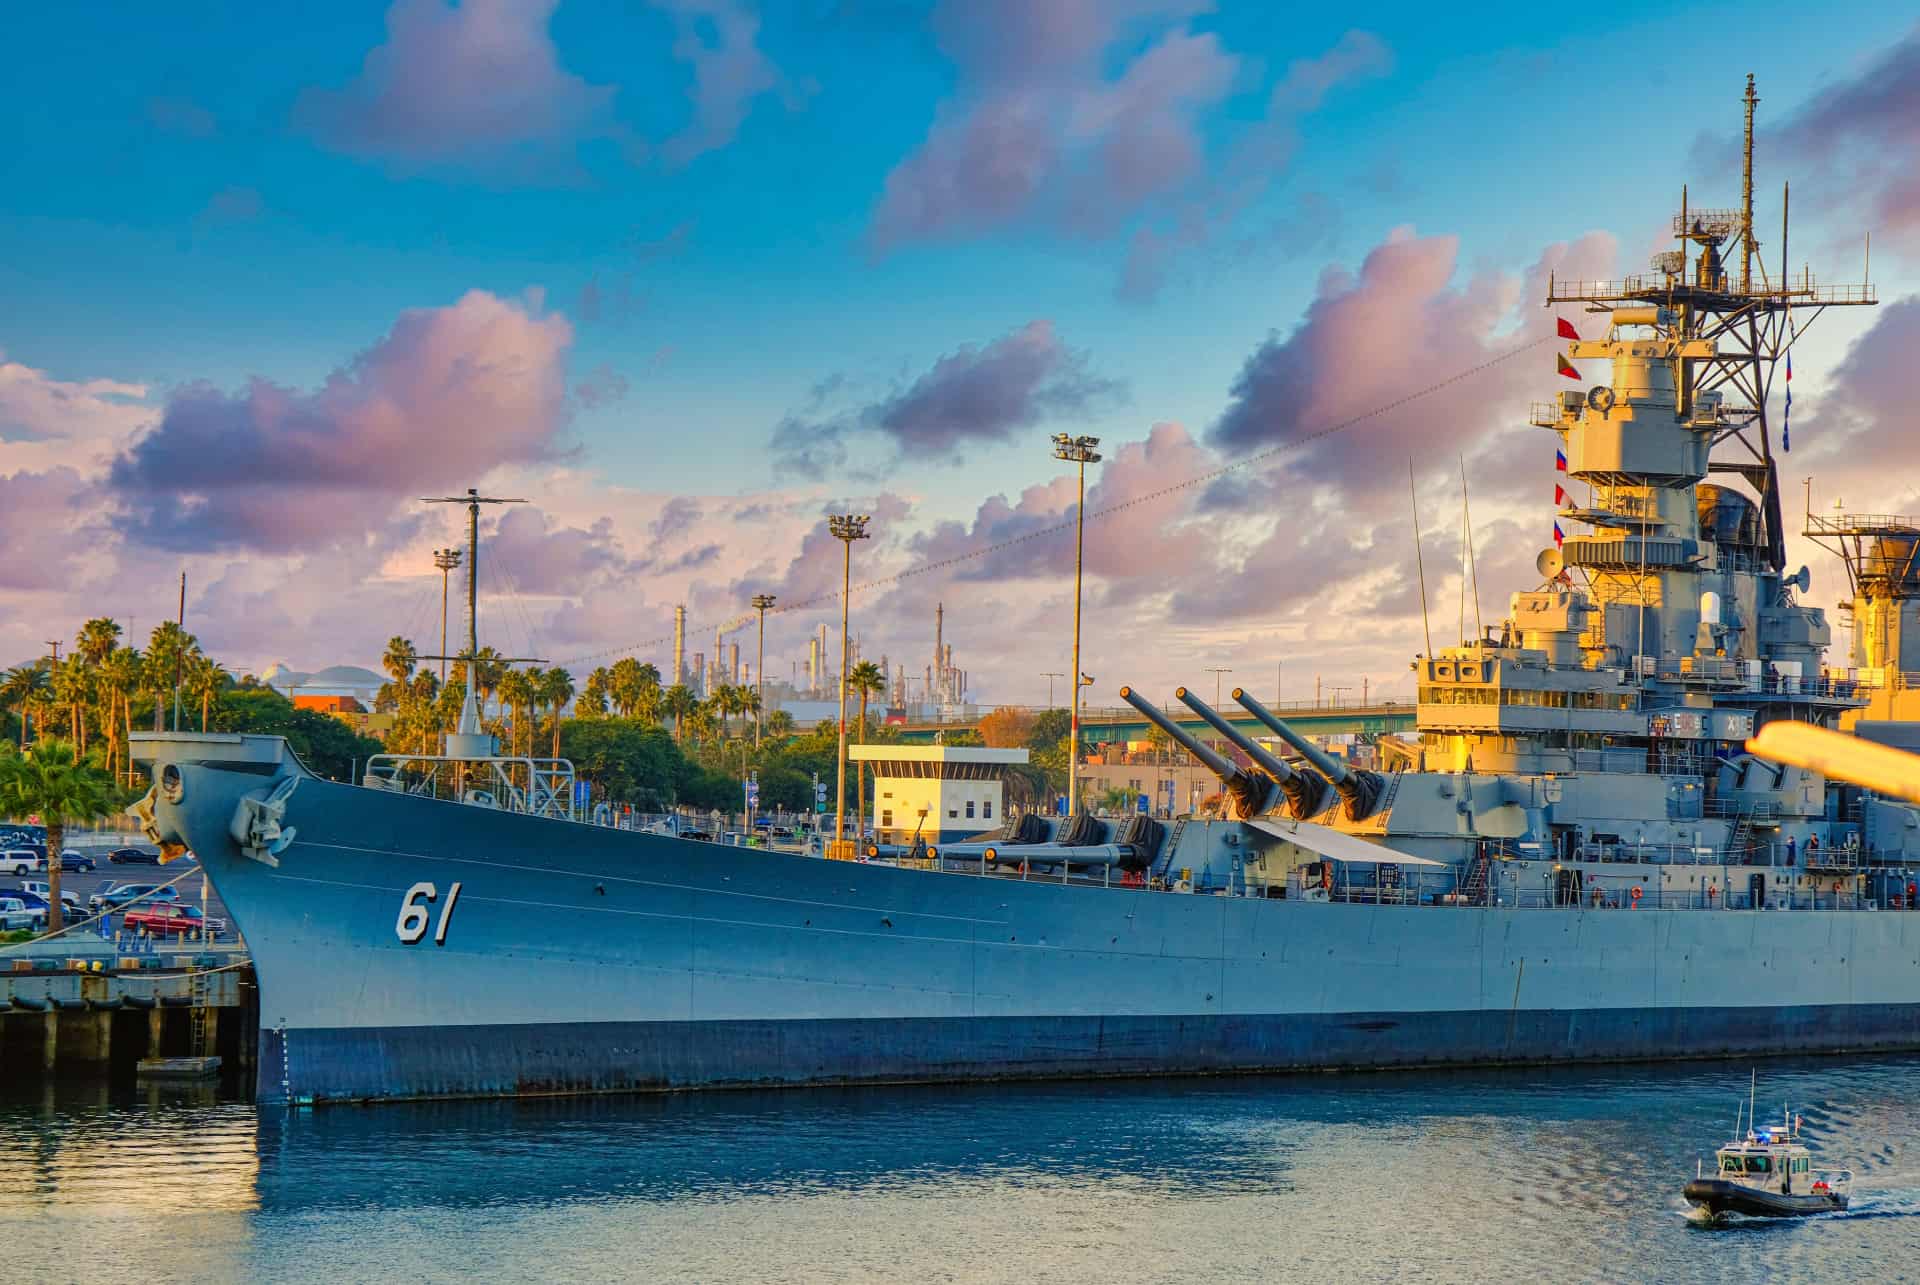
<point>1759,1164</point>
<point>969,809</point>
<point>953,813</point>
<point>1729,1164</point>
<point>986,810</point>
<point>886,818</point>
<point>1800,1164</point>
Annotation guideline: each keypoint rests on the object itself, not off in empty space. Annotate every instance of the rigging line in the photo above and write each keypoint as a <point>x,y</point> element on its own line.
<point>1199,479</point>
<point>513,595</point>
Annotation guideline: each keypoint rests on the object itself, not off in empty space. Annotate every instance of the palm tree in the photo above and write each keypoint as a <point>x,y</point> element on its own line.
<point>61,787</point>
<point>71,689</point>
<point>679,701</point>
<point>864,680</point>
<point>204,680</point>
<point>119,680</point>
<point>22,689</point>
<point>780,723</point>
<point>167,652</point>
<point>594,696</point>
<point>516,691</point>
<point>97,640</point>
<point>556,687</point>
<point>399,658</point>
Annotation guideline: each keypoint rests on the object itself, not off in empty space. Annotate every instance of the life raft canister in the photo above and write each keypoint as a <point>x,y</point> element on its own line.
<point>1636,896</point>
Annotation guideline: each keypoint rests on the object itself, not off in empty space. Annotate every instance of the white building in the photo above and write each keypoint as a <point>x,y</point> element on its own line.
<point>941,793</point>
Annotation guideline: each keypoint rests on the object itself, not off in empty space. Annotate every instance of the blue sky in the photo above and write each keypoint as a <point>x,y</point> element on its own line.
<point>186,208</point>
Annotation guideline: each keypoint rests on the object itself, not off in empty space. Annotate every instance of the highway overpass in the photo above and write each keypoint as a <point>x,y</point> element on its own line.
<point>1124,723</point>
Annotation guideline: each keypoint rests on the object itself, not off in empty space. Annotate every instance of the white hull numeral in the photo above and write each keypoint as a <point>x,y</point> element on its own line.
<point>446,913</point>
<point>411,927</point>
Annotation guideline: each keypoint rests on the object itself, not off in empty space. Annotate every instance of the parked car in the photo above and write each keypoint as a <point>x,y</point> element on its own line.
<point>73,861</point>
<point>38,888</point>
<point>133,857</point>
<point>114,896</point>
<point>163,919</point>
<point>20,861</point>
<point>16,914</point>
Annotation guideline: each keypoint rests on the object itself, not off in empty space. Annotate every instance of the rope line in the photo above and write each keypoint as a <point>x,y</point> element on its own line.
<point>1199,479</point>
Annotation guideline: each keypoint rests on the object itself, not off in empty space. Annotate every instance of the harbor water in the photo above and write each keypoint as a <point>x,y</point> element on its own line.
<point>1562,1175</point>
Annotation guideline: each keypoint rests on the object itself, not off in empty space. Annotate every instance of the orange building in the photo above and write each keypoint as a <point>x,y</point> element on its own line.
<point>330,704</point>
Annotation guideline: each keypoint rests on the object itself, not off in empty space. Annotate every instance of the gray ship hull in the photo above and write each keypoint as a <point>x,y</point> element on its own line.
<point>576,959</point>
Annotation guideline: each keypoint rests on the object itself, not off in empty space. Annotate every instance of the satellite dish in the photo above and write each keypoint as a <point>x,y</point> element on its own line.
<point>1801,579</point>
<point>1600,398</point>
<point>1550,563</point>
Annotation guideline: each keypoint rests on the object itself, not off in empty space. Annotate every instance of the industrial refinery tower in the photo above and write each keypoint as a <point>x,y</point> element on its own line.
<point>1734,320</point>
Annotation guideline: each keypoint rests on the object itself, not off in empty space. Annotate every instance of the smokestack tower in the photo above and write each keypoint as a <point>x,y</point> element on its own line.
<point>699,673</point>
<point>733,662</point>
<point>679,645</point>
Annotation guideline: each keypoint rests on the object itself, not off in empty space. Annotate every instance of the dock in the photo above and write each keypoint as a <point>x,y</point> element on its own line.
<point>88,1008</point>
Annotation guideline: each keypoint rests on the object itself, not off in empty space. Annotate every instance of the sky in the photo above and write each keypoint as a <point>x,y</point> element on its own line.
<point>690,275</point>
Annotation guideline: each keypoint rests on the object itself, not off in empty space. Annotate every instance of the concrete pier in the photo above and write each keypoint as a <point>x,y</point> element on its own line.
<point>62,1018</point>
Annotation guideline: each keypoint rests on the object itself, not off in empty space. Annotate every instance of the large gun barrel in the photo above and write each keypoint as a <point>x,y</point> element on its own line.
<point>1306,792</point>
<point>1359,790</point>
<point>1253,794</point>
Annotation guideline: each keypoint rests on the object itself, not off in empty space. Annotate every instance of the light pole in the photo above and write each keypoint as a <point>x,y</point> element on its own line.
<point>1079,451</point>
<point>446,560</point>
<point>1049,675</point>
<point>761,601</point>
<point>1216,672</point>
<point>846,528</point>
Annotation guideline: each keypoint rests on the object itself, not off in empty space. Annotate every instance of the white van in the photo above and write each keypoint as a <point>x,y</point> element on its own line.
<point>19,861</point>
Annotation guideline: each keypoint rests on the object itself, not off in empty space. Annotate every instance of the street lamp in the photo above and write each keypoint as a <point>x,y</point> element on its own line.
<point>1079,451</point>
<point>846,528</point>
<point>446,560</point>
<point>1050,675</point>
<point>1216,683</point>
<point>761,602</point>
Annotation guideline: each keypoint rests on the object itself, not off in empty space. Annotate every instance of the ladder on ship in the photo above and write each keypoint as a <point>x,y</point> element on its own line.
<point>1739,839</point>
<point>1473,887</point>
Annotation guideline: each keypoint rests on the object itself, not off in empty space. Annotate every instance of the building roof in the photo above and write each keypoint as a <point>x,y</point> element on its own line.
<point>934,754</point>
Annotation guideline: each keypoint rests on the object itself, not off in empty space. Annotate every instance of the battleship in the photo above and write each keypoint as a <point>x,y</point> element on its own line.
<point>1577,858</point>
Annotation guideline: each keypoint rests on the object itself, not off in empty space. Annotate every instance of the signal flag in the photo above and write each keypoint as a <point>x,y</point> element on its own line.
<point>1565,367</point>
<point>1559,495</point>
<point>1559,536</point>
<point>1559,461</point>
<point>1566,329</point>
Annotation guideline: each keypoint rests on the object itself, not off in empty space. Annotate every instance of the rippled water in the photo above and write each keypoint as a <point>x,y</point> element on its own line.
<point>1559,1176</point>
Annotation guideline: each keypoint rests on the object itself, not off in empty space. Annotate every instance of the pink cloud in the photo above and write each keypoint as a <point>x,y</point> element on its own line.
<point>459,84</point>
<point>447,395</point>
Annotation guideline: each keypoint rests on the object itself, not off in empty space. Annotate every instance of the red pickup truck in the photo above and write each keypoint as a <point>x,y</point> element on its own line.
<point>164,920</point>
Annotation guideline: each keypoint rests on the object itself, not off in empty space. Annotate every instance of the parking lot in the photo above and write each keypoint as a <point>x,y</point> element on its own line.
<point>192,888</point>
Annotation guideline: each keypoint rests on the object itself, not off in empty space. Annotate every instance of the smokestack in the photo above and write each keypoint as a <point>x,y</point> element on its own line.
<point>733,662</point>
<point>679,645</point>
<point>699,673</point>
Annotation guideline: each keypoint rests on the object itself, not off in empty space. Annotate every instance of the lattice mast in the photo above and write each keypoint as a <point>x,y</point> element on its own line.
<point>1732,333</point>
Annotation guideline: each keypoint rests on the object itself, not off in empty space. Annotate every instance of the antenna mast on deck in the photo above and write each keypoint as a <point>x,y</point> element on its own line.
<point>1748,325</point>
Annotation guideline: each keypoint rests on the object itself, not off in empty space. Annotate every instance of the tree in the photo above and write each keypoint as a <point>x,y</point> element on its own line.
<point>53,781</point>
<point>516,690</point>
<point>325,744</point>
<point>204,680</point>
<point>1048,727</point>
<point>97,640</point>
<point>556,689</point>
<point>596,695</point>
<point>22,689</point>
<point>679,701</point>
<point>864,680</point>
<point>1117,798</point>
<point>167,652</point>
<point>779,723</point>
<point>119,680</point>
<point>1007,727</point>
<point>399,659</point>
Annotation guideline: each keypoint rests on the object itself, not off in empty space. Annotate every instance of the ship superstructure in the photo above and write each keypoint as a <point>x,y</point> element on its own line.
<point>1576,858</point>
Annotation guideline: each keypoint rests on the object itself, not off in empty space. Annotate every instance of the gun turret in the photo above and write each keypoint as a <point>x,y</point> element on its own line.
<point>1252,793</point>
<point>1359,790</point>
<point>1308,793</point>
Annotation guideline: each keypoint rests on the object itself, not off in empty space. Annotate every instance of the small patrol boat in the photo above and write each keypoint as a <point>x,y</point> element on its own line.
<point>1768,1173</point>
